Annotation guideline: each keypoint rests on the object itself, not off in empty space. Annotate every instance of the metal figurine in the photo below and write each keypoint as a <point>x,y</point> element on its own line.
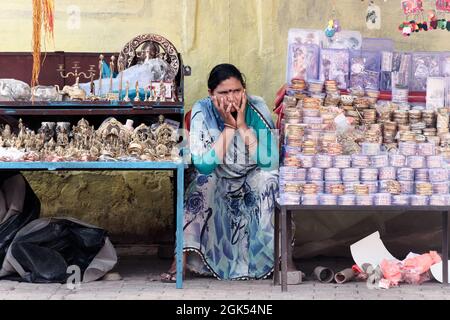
<point>150,93</point>
<point>127,88</point>
<point>145,94</point>
<point>137,98</point>
<point>162,92</point>
<point>120,69</point>
<point>111,66</point>
<point>100,67</point>
<point>174,94</point>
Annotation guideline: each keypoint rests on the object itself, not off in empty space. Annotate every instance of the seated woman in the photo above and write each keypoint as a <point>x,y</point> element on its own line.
<point>229,207</point>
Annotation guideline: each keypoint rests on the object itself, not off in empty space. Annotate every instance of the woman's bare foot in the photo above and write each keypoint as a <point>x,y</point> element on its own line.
<point>171,275</point>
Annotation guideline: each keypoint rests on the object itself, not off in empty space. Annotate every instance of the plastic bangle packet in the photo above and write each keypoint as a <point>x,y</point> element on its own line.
<point>292,151</point>
<point>360,161</point>
<point>301,174</point>
<point>291,162</point>
<point>400,200</point>
<point>440,187</point>
<point>328,200</point>
<point>397,160</point>
<point>307,161</point>
<point>312,120</point>
<point>440,200</point>
<point>290,198</point>
<point>334,65</point>
<point>333,174</point>
<point>416,162</point>
<point>310,188</point>
<point>406,187</point>
<point>350,187</point>
<point>350,174</point>
<point>291,187</point>
<point>320,186</point>
<point>405,174</point>
<point>419,200</point>
<point>380,161</point>
<point>314,174</point>
<point>335,188</point>
<point>445,64</point>
<point>342,162</point>
<point>426,149</point>
<point>303,62</point>
<point>382,199</point>
<point>373,186</point>
<point>408,148</point>
<point>361,189</point>
<point>288,173</point>
<point>370,149</point>
<point>310,200</point>
<point>388,173</point>
<point>424,189</point>
<point>434,162</point>
<point>369,174</point>
<point>438,175</point>
<point>424,65</point>
<point>324,161</point>
<point>364,200</point>
<point>311,113</point>
<point>347,200</point>
<point>421,175</point>
<point>390,186</point>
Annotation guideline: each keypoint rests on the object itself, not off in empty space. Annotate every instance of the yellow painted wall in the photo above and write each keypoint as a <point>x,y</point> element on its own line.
<point>249,33</point>
<point>136,207</point>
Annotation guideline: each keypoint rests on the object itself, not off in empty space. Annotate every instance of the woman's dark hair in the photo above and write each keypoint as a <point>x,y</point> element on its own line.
<point>224,72</point>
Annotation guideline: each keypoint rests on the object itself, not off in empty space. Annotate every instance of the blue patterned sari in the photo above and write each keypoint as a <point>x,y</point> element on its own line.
<point>229,207</point>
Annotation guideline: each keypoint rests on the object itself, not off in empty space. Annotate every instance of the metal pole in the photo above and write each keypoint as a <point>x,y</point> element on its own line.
<point>284,249</point>
<point>276,268</point>
<point>445,247</point>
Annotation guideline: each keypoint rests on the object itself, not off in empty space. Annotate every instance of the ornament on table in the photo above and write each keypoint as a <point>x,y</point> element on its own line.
<point>333,27</point>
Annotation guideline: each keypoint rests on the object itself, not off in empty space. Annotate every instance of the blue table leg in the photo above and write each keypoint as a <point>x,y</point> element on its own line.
<point>179,227</point>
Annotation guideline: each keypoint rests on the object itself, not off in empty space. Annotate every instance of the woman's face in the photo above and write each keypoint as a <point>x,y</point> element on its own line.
<point>230,91</point>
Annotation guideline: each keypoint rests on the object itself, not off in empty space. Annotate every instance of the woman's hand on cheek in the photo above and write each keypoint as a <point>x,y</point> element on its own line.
<point>224,112</point>
<point>240,122</point>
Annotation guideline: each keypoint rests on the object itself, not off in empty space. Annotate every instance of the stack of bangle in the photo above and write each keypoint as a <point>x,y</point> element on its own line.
<point>441,188</point>
<point>405,174</point>
<point>360,161</point>
<point>314,174</point>
<point>336,189</point>
<point>324,161</point>
<point>434,162</point>
<point>388,173</point>
<point>350,174</point>
<point>407,148</point>
<point>328,200</point>
<point>310,188</point>
<point>406,187</point>
<point>307,161</point>
<point>438,175</point>
<point>424,189</point>
<point>400,200</point>
<point>380,161</point>
<point>422,175</point>
<point>419,200</point>
<point>361,189</point>
<point>332,174</point>
<point>397,160</point>
<point>364,200</point>
<point>383,199</point>
<point>310,200</point>
<point>426,149</point>
<point>416,162</point>
<point>369,174</point>
<point>347,200</point>
<point>342,162</point>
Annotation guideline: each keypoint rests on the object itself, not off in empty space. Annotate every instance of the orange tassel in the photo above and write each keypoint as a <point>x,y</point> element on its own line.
<point>43,18</point>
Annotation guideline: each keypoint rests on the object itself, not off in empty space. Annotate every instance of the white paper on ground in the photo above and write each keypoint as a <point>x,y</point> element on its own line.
<point>436,271</point>
<point>370,250</point>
